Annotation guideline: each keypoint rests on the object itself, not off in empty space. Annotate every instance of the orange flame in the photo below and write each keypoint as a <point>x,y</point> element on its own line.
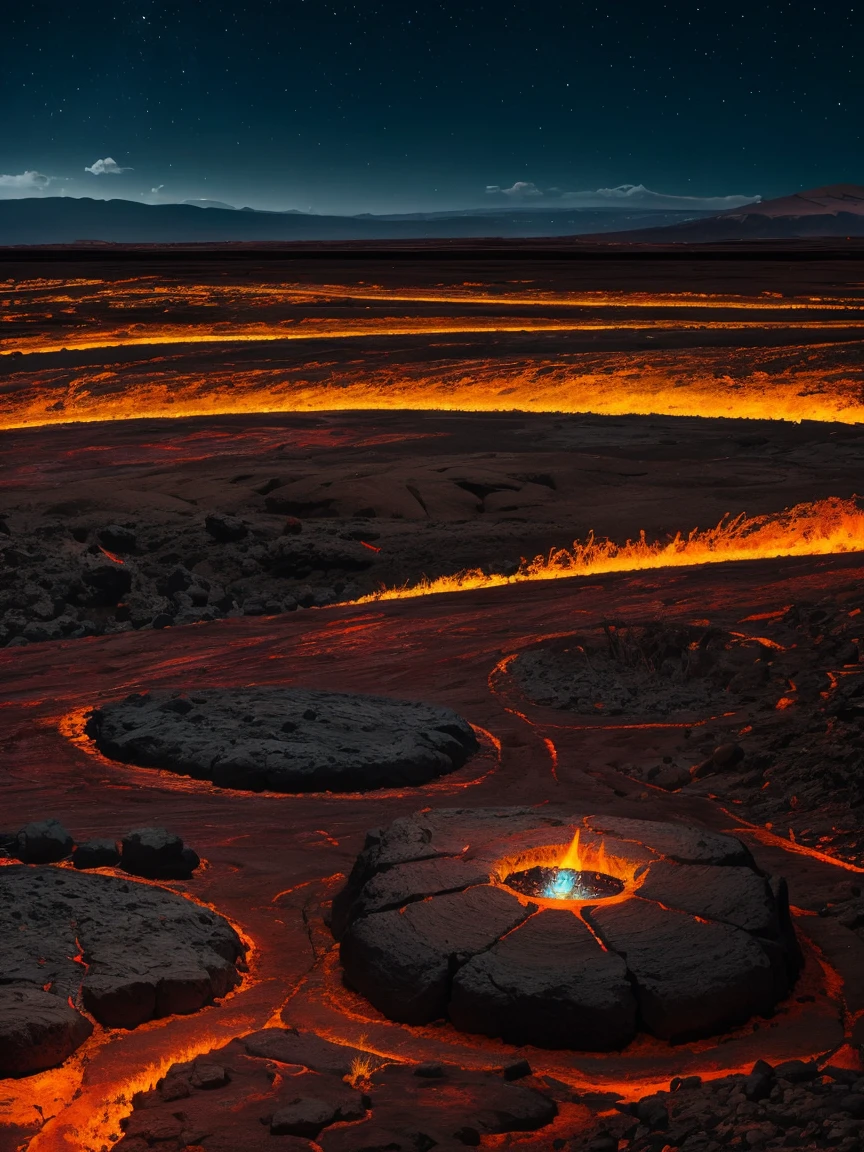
<point>823,528</point>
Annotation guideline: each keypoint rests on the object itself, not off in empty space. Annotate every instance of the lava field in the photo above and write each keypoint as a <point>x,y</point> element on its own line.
<point>432,711</point>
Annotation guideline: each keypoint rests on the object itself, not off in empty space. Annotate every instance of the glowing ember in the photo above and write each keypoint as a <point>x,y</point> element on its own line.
<point>564,884</point>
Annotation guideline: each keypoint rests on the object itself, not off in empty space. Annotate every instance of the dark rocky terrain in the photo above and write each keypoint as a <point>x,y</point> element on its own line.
<point>167,505</point>
<point>121,951</point>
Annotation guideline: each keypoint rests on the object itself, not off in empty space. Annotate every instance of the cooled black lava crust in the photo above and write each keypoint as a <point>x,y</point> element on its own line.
<point>285,739</point>
<point>698,941</point>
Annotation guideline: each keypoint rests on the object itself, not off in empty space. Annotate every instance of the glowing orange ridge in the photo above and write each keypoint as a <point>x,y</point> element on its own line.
<point>823,528</point>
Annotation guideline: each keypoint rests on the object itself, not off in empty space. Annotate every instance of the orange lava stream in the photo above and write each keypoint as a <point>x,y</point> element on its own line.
<point>823,528</point>
<point>176,334</point>
<point>794,384</point>
<point>149,289</point>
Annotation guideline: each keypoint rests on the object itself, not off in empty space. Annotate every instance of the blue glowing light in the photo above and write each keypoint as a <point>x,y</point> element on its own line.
<point>563,886</point>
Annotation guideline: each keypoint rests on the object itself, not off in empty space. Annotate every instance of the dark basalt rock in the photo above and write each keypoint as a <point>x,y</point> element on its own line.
<point>693,978</point>
<point>43,842</point>
<point>157,854</point>
<point>290,1046</point>
<point>96,854</point>
<point>144,952</point>
<point>402,961</point>
<point>697,941</point>
<point>225,529</point>
<point>37,1030</point>
<point>284,739</point>
<point>548,984</point>
<point>737,896</point>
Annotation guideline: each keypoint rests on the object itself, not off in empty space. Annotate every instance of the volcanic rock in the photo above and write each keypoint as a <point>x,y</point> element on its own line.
<point>548,984</point>
<point>693,978</point>
<point>290,1046</point>
<point>96,854</point>
<point>737,896</point>
<point>287,740</point>
<point>696,939</point>
<point>225,528</point>
<point>157,854</point>
<point>402,960</point>
<point>37,1030</point>
<point>143,951</point>
<point>43,842</point>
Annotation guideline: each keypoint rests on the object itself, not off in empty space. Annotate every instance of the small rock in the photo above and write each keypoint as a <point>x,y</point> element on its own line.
<point>207,1076</point>
<point>468,1136</point>
<point>517,1070</point>
<point>652,1112</point>
<point>43,842</point>
<point>305,1116</point>
<point>292,526</point>
<point>225,529</point>
<point>797,1071</point>
<point>162,620</point>
<point>96,854</point>
<point>157,854</point>
<point>431,1068</point>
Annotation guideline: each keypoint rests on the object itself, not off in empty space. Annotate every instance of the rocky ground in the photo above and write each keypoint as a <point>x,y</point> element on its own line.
<point>776,710</point>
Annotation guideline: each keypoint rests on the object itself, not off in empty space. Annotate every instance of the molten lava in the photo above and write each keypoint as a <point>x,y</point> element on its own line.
<point>823,528</point>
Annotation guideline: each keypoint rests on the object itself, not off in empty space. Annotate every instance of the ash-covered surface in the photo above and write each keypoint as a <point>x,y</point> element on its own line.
<point>293,1085</point>
<point>701,941</point>
<point>792,756</point>
<point>125,952</point>
<point>653,670</point>
<point>797,1104</point>
<point>285,739</point>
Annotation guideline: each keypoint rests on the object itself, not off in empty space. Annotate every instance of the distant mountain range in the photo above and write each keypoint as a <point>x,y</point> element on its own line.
<point>67,220</point>
<point>833,211</point>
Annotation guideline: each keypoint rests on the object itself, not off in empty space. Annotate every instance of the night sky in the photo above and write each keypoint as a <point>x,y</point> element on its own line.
<point>385,106</point>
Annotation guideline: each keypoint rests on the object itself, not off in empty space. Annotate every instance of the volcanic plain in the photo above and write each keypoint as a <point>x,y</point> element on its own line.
<point>601,505</point>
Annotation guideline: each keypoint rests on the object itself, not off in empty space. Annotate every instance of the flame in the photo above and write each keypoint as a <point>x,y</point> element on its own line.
<point>823,528</point>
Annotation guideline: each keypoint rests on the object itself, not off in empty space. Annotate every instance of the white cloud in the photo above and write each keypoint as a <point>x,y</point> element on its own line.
<point>155,191</point>
<point>24,184</point>
<point>638,196</point>
<point>106,167</point>
<point>624,196</point>
<point>521,190</point>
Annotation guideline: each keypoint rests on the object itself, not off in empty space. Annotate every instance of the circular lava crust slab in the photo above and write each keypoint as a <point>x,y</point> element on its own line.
<point>127,952</point>
<point>285,739</point>
<point>698,941</point>
<point>654,669</point>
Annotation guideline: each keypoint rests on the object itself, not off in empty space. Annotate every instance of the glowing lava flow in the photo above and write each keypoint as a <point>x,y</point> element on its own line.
<point>824,528</point>
<point>824,383</point>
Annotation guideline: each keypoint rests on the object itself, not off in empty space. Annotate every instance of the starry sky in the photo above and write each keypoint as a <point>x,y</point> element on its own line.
<point>389,106</point>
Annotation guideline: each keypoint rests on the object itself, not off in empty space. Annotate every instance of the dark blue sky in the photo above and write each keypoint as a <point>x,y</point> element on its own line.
<point>388,106</point>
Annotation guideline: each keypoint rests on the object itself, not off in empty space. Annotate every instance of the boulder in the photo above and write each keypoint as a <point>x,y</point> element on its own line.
<point>43,842</point>
<point>38,1030</point>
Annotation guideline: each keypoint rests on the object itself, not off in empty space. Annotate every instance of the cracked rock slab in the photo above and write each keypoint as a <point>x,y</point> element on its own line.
<point>694,940</point>
<point>285,739</point>
<point>128,952</point>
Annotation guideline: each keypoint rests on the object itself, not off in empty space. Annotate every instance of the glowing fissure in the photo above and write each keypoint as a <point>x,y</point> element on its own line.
<point>823,528</point>
<point>824,383</point>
